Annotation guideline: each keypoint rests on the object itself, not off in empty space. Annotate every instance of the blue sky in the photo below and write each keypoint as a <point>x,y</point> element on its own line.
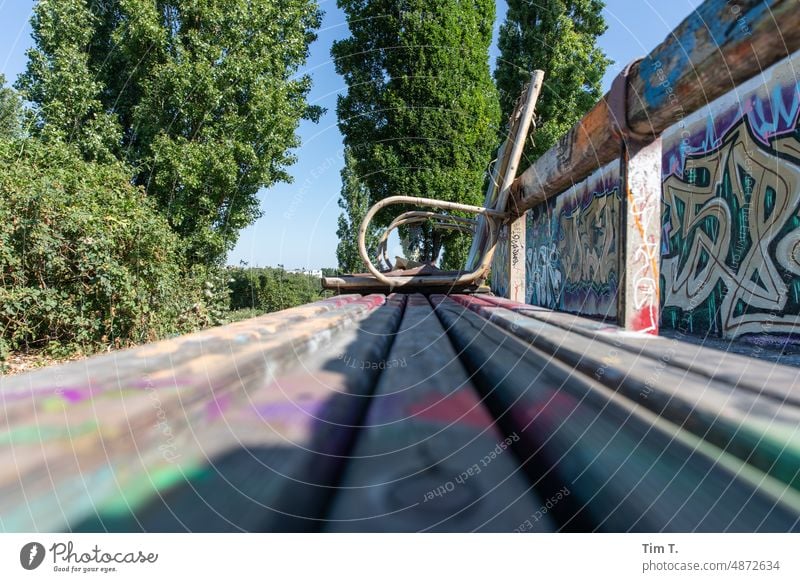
<point>298,228</point>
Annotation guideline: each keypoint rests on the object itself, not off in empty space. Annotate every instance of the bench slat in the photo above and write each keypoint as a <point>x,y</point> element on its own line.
<point>762,377</point>
<point>760,431</point>
<point>427,459</point>
<point>116,429</point>
<point>627,469</point>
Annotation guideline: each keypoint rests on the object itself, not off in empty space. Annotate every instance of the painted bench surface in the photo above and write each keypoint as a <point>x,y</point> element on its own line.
<point>404,413</point>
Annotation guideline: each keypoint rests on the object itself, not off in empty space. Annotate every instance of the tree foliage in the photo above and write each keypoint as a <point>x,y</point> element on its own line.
<point>60,83</point>
<point>421,113</point>
<point>354,202</point>
<point>85,258</point>
<point>559,37</point>
<point>201,97</point>
<point>268,289</point>
<point>10,111</point>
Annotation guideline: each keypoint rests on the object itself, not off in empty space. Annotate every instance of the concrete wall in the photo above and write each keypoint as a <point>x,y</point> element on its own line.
<point>571,251</point>
<point>500,265</point>
<point>730,260</point>
<point>730,256</point>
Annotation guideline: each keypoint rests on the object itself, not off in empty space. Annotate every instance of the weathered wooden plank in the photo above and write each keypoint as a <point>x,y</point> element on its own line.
<point>781,383</point>
<point>760,431</point>
<point>589,145</point>
<point>627,469</point>
<point>56,380</point>
<point>430,457</point>
<point>270,462</point>
<point>79,436</point>
<point>719,45</point>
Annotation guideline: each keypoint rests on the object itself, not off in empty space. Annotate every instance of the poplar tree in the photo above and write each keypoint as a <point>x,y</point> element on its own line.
<point>354,202</point>
<point>421,113</point>
<point>559,37</point>
<point>201,98</point>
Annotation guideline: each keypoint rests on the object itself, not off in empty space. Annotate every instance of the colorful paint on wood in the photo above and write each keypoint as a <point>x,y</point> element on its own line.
<point>403,413</point>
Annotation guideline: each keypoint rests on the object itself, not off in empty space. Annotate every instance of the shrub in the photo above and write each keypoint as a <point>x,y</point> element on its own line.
<point>84,257</point>
<point>271,289</point>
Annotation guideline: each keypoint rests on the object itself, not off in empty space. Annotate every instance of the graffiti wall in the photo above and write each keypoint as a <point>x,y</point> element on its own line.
<point>500,275</point>
<point>571,251</point>
<point>730,215</point>
<point>730,257</point>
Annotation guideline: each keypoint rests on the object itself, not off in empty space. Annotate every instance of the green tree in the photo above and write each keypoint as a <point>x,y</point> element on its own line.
<point>421,112</point>
<point>10,111</point>
<point>559,37</point>
<point>354,201</point>
<point>205,95</point>
<point>61,85</point>
<point>268,289</point>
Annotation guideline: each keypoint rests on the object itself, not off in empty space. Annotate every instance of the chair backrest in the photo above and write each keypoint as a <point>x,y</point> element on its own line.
<point>505,168</point>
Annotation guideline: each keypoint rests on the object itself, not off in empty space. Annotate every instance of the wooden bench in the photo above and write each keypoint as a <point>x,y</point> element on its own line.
<point>442,411</point>
<point>404,413</point>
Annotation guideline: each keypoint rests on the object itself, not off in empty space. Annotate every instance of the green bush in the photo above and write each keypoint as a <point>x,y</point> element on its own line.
<point>84,257</point>
<point>271,289</point>
<point>243,314</point>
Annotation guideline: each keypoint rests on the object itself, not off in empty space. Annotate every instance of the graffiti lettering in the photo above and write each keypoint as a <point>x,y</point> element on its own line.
<point>733,226</point>
<point>572,247</point>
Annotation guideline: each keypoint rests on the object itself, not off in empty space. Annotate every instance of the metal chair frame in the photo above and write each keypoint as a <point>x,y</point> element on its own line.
<point>489,218</point>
